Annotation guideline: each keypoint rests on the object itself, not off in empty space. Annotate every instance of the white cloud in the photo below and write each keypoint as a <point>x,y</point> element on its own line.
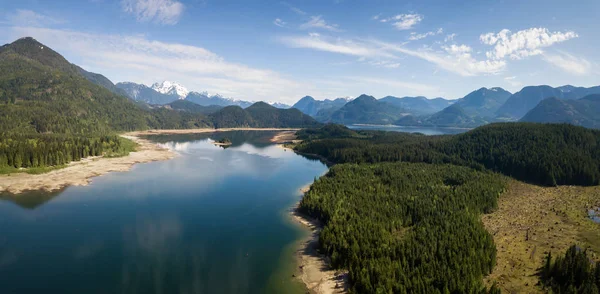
<point>317,22</point>
<point>513,81</point>
<point>449,38</point>
<point>280,23</point>
<point>138,59</point>
<point>569,63</point>
<point>346,47</point>
<point>376,17</point>
<point>294,9</point>
<point>523,43</point>
<point>458,59</point>
<point>457,49</point>
<point>414,36</point>
<point>24,17</point>
<point>404,21</point>
<point>158,11</point>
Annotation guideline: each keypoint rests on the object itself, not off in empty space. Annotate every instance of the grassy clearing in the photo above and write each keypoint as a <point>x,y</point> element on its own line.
<point>532,221</point>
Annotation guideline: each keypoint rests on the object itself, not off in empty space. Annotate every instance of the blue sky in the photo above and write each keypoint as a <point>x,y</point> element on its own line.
<point>283,50</point>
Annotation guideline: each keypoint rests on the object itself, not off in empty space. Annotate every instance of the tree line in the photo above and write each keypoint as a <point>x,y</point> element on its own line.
<point>572,273</point>
<point>544,154</point>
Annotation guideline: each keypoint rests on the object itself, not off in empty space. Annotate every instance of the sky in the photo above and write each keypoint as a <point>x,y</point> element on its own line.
<point>280,51</point>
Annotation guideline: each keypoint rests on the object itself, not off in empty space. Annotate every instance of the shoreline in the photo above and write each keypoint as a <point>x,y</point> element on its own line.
<point>313,268</point>
<point>81,173</point>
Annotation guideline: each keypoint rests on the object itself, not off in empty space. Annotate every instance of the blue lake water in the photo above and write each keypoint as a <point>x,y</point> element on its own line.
<point>212,220</point>
<point>423,130</point>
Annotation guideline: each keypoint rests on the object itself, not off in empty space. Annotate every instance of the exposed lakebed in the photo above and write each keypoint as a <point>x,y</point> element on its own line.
<point>212,220</point>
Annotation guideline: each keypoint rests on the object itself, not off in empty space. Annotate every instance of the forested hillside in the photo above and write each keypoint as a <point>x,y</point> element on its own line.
<point>406,228</point>
<point>557,154</point>
<point>260,115</point>
<point>572,273</point>
<point>583,112</point>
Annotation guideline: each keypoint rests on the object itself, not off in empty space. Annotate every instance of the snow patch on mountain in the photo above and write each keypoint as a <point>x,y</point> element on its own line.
<point>171,88</point>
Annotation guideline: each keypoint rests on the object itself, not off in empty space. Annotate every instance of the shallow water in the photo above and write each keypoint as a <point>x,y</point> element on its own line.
<point>209,221</point>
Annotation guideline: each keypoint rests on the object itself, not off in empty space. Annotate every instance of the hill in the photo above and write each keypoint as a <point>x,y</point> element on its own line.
<point>583,112</point>
<point>366,110</point>
<point>529,97</point>
<point>418,105</point>
<point>544,154</point>
<point>184,105</point>
<point>139,92</point>
<point>483,102</point>
<point>308,105</point>
<point>451,116</point>
<point>261,114</point>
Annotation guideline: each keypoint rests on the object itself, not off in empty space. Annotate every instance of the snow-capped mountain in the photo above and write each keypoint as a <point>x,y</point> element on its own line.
<point>171,88</point>
<point>279,105</point>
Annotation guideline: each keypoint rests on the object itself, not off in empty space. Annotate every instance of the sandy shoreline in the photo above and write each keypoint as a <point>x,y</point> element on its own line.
<point>80,173</point>
<point>313,267</point>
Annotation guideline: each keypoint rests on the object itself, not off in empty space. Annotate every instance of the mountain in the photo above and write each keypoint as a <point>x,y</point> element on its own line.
<point>583,112</point>
<point>171,89</point>
<point>529,97</point>
<point>451,116</point>
<point>418,105</point>
<point>454,116</point>
<point>366,110</point>
<point>279,105</point>
<point>32,49</point>
<point>205,99</point>
<point>41,92</point>
<point>312,107</point>
<point>184,105</point>
<point>140,92</point>
<point>484,102</point>
<point>261,114</point>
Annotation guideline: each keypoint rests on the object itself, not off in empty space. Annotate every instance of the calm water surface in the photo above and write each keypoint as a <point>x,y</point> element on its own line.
<point>212,220</point>
<point>423,130</point>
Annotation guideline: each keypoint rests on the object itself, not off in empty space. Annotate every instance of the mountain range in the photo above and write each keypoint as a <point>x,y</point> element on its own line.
<point>166,92</point>
<point>482,106</point>
<point>42,93</point>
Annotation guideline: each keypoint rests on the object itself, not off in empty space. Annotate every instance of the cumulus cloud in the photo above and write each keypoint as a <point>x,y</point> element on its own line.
<point>569,63</point>
<point>522,43</point>
<point>317,22</point>
<point>403,21</point>
<point>415,37</point>
<point>24,17</point>
<point>165,12</point>
<point>280,23</point>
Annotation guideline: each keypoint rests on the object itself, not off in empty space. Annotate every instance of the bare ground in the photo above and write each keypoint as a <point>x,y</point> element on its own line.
<point>79,173</point>
<point>314,269</point>
<point>532,221</point>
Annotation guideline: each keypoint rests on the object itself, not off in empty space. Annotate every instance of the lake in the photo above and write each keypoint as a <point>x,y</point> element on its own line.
<point>423,130</point>
<point>212,220</point>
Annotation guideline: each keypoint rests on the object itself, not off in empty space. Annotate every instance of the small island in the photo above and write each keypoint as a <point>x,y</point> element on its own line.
<point>223,142</point>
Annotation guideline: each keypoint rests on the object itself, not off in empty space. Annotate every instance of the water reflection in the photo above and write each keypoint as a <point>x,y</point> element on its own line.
<point>207,221</point>
<point>31,199</point>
